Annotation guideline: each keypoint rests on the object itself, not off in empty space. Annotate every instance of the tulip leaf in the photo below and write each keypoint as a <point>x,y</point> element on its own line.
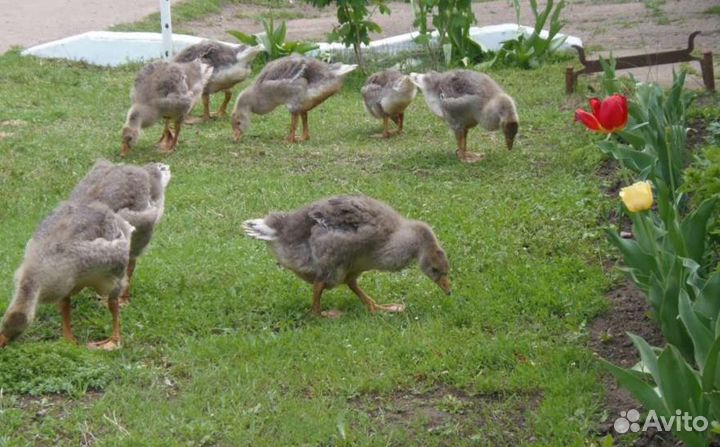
<point>710,379</point>
<point>244,38</point>
<point>635,139</point>
<point>701,335</point>
<point>678,382</point>
<point>633,254</point>
<point>664,298</point>
<point>713,397</point>
<point>647,355</point>
<point>694,229</point>
<point>644,231</point>
<point>642,391</point>
<point>707,302</point>
<point>638,161</point>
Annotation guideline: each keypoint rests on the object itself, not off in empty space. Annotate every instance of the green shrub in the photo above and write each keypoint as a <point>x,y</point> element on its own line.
<point>702,181</point>
<point>452,20</point>
<point>355,24</point>
<point>273,41</point>
<point>532,51</point>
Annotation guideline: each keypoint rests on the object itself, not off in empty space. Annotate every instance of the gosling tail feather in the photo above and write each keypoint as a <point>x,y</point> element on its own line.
<point>258,229</point>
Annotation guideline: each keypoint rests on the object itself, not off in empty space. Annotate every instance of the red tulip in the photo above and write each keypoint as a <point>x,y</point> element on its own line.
<point>608,115</point>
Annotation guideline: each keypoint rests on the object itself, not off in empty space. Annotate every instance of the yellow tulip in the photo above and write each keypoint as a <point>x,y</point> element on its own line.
<point>637,197</point>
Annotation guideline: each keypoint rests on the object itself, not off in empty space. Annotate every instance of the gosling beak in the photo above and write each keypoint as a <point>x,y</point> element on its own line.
<point>237,135</point>
<point>125,149</point>
<point>444,283</point>
<point>510,130</point>
<point>3,341</point>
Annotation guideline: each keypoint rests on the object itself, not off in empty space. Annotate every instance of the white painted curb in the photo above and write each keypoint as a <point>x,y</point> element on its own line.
<point>117,48</point>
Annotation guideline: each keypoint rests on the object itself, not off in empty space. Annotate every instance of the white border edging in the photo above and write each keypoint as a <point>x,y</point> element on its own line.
<point>117,48</point>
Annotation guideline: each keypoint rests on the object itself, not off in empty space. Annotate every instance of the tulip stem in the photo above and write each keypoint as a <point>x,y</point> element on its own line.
<point>649,230</point>
<point>671,173</point>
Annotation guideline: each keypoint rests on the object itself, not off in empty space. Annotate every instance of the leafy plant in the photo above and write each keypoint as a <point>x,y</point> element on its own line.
<point>701,182</point>
<point>355,24</point>
<point>664,260</point>
<point>533,50</point>
<point>656,135</point>
<point>452,20</point>
<point>689,385</point>
<point>667,258</point>
<point>702,178</point>
<point>273,41</point>
<point>609,83</point>
<point>667,383</point>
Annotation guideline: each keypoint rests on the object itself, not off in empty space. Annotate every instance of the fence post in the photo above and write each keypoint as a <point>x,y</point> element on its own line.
<point>166,27</point>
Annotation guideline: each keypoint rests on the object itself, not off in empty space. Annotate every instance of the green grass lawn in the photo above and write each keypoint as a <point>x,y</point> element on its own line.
<point>219,347</point>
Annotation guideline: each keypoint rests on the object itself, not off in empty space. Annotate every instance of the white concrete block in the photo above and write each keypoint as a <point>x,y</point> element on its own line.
<point>117,48</point>
<point>110,48</point>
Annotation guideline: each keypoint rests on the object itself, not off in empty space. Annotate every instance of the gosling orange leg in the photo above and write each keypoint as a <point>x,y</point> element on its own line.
<point>318,288</point>
<point>401,121</point>
<point>462,153</point>
<point>386,127</point>
<point>64,307</point>
<point>172,142</point>
<point>293,127</point>
<point>306,131</point>
<point>206,111</point>
<point>166,135</point>
<point>115,340</point>
<point>206,106</point>
<point>125,297</point>
<point>222,111</point>
<point>371,305</point>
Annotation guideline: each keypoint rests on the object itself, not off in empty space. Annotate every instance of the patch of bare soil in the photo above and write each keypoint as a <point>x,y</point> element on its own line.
<point>609,24</point>
<point>58,406</point>
<point>697,134</point>
<point>447,410</point>
<point>629,313</point>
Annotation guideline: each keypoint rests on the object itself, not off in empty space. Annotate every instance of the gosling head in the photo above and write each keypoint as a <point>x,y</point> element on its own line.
<point>422,80</point>
<point>240,119</point>
<point>432,259</point>
<point>507,114</point>
<point>130,137</point>
<point>406,84</point>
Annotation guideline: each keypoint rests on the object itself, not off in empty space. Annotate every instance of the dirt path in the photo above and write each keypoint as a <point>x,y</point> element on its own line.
<point>623,26</point>
<point>615,24</point>
<point>30,22</point>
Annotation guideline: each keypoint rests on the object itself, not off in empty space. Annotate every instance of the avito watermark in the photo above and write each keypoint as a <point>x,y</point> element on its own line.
<point>681,421</point>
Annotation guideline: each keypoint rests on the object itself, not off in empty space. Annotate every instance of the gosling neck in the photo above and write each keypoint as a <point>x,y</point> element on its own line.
<point>406,245</point>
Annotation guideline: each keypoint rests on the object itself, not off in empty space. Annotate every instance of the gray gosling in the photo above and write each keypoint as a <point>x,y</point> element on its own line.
<point>464,99</point>
<point>299,82</point>
<point>386,95</point>
<point>135,193</point>
<point>333,241</point>
<point>76,246</point>
<point>231,65</point>
<point>167,91</point>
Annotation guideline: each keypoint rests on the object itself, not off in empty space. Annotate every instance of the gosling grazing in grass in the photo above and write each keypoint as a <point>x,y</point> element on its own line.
<point>333,241</point>
<point>299,82</point>
<point>78,245</point>
<point>464,99</point>
<point>387,94</point>
<point>231,65</point>
<point>135,193</point>
<point>163,90</point>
